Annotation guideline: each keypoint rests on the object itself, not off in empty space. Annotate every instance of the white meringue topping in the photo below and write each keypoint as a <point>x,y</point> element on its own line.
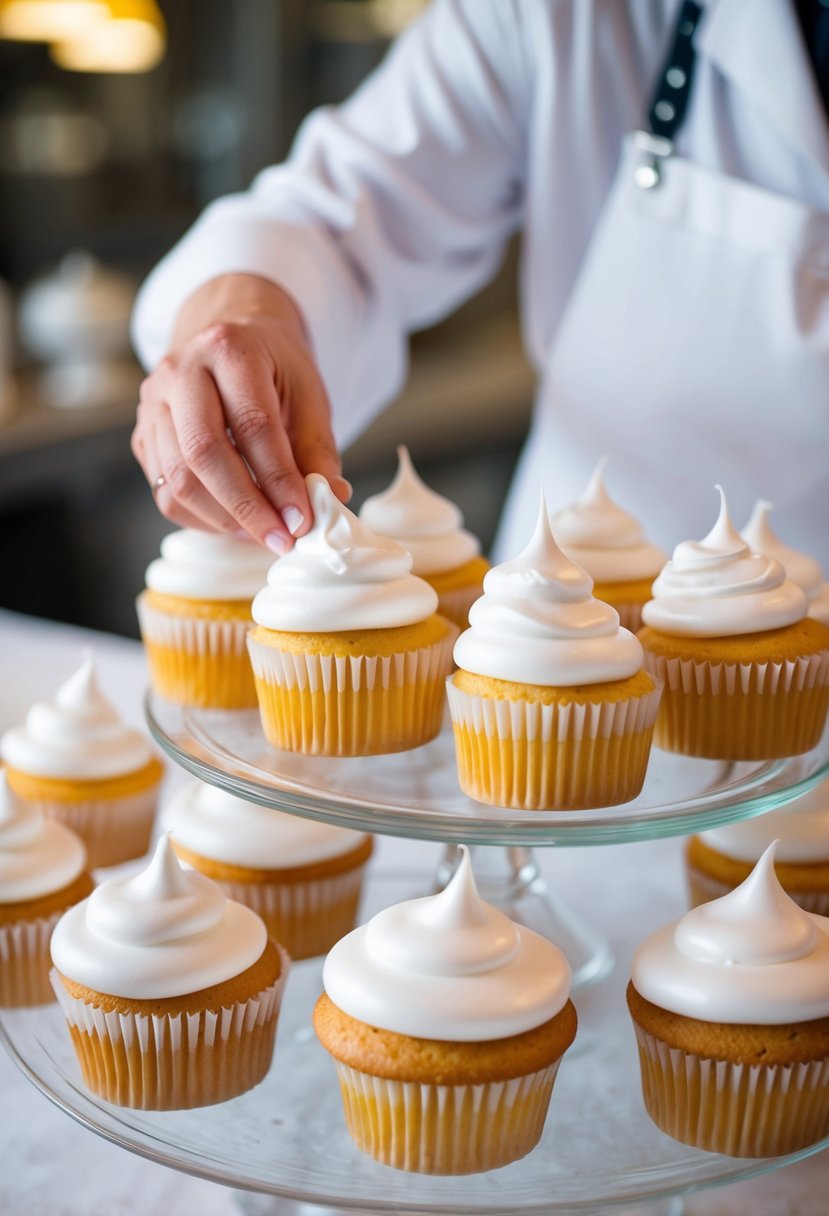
<point>208,566</point>
<point>340,576</point>
<point>799,567</point>
<point>448,966</point>
<point>37,855</point>
<point>801,829</point>
<point>717,587</point>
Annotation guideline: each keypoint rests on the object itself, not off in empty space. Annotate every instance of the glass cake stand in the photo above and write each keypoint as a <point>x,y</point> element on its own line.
<point>284,1144</point>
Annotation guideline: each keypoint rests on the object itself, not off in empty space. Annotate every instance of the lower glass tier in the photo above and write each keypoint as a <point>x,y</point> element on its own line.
<point>287,1136</point>
<point>416,794</point>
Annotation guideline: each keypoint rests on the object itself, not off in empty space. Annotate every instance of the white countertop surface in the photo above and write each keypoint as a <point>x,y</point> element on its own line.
<point>51,1166</point>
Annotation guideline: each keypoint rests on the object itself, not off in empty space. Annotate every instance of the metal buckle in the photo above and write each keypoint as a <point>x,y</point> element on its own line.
<point>652,150</point>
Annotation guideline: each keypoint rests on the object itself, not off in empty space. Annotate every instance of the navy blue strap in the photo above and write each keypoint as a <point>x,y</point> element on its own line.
<point>673,89</point>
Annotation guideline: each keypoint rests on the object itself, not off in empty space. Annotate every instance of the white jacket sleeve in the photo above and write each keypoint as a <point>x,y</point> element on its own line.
<point>391,209</point>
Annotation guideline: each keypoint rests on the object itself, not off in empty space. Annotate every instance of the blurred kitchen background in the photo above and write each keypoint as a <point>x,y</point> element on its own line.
<point>115,131</point>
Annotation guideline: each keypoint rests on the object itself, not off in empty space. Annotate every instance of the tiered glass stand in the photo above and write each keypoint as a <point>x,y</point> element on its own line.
<point>284,1145</point>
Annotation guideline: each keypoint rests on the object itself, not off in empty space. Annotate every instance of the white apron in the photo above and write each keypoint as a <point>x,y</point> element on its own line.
<point>694,350</point>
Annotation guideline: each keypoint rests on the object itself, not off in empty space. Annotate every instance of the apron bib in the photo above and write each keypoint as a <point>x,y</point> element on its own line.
<point>694,350</point>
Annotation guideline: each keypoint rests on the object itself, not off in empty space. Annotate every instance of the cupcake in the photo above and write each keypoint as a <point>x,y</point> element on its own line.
<point>745,672</point>
<point>551,707</point>
<point>730,1006</point>
<point>42,873</point>
<point>717,861</point>
<point>348,652</point>
<point>447,1024</point>
<point>171,991</point>
<point>302,877</point>
<point>799,567</point>
<point>195,615</point>
<point>75,761</point>
<point>429,527</point>
<point>610,545</point>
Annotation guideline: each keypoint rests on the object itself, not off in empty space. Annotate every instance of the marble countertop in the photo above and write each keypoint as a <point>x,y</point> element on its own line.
<point>52,1166</point>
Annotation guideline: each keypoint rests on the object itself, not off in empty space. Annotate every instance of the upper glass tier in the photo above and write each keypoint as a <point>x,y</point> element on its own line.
<point>416,793</point>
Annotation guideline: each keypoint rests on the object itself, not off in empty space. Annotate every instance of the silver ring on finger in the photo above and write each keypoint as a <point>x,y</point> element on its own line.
<point>160,481</point>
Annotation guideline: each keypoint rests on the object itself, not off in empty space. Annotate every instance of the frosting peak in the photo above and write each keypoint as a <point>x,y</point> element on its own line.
<point>37,855</point>
<point>717,587</point>
<point>340,576</point>
<point>76,736</point>
<point>162,932</point>
<point>448,966</point>
<point>799,567</point>
<point>537,622</point>
<point>755,923</point>
<point>752,956</point>
<point>426,524</point>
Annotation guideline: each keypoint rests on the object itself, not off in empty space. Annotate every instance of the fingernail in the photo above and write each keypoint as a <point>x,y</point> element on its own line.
<point>277,543</point>
<point>293,519</point>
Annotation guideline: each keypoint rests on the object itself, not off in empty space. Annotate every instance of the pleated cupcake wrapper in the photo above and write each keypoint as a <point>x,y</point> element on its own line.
<point>749,710</point>
<point>193,661</point>
<point>113,829</point>
<point>630,615</point>
<point>445,1129</point>
<point>308,918</point>
<point>704,887</point>
<point>742,1110</point>
<point>174,1061</point>
<point>25,961</point>
<point>530,756</point>
<point>351,704</point>
<point>455,604</point>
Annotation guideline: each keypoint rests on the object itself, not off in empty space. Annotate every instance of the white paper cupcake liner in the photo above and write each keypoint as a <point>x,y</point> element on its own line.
<point>704,887</point>
<point>174,1062</point>
<point>351,704</point>
<point>25,962</point>
<point>455,604</point>
<point>198,636</point>
<point>445,1129</point>
<point>742,1110</point>
<point>630,615</point>
<point>308,918</point>
<point>734,724</point>
<point>113,829</point>
<point>551,756</point>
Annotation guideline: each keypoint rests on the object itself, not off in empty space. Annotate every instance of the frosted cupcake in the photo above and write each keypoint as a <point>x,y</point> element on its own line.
<point>171,991</point>
<point>719,860</point>
<point>447,1024</point>
<point>301,876</point>
<point>551,707</point>
<point>195,615</point>
<point>731,1010</point>
<point>745,672</point>
<point>42,873</point>
<point>349,654</point>
<point>799,567</point>
<point>74,760</point>
<point>610,545</point>
<point>429,527</point>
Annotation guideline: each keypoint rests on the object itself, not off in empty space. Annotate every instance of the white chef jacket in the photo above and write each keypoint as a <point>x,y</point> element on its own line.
<point>488,116</point>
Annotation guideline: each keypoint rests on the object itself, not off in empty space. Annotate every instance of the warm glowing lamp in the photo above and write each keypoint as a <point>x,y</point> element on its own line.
<point>132,39</point>
<point>49,20</point>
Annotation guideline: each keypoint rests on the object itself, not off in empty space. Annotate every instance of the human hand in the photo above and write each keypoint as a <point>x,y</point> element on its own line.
<point>236,414</point>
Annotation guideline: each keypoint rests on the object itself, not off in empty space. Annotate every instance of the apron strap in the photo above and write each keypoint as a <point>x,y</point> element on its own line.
<point>670,98</point>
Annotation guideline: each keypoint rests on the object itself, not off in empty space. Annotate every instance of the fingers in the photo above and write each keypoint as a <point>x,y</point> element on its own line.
<point>308,423</point>
<point>144,448</point>
<point>182,494</point>
<point>254,412</point>
<point>211,462</point>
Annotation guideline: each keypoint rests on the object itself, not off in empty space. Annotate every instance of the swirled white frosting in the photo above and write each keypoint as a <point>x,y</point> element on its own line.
<point>717,587</point>
<point>426,524</point>
<point>537,622</point>
<point>752,956</point>
<point>801,829</point>
<point>448,966</point>
<point>163,932</point>
<point>340,576</point>
<point>37,855</point>
<point>603,539</point>
<point>800,567</point>
<point>77,736</point>
<point>212,823</point>
<point>208,566</point>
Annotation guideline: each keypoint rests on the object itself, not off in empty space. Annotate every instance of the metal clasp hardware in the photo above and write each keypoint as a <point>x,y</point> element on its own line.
<point>652,150</point>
